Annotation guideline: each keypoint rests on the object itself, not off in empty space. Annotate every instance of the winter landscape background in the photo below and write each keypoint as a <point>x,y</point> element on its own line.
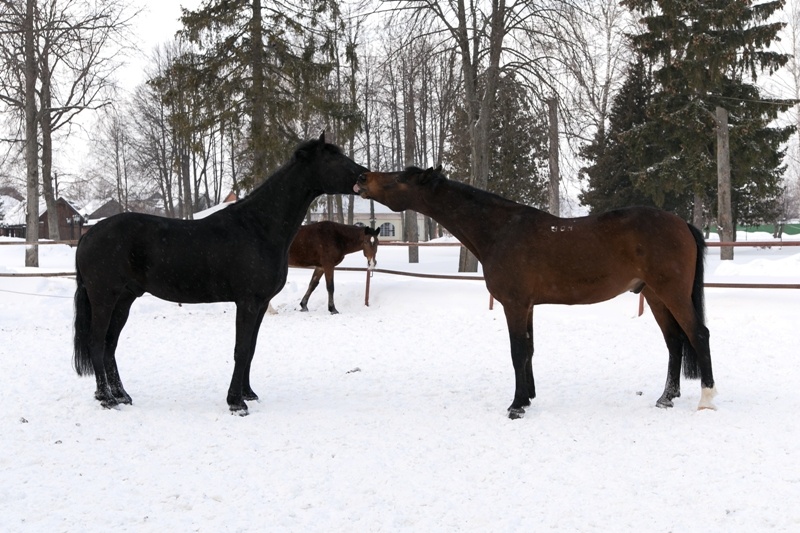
<point>392,417</point>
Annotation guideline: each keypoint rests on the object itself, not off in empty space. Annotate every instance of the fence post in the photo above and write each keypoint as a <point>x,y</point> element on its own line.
<point>366,289</point>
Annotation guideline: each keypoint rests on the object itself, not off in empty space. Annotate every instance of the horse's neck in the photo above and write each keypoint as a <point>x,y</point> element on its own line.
<point>279,204</point>
<point>352,240</point>
<point>473,219</point>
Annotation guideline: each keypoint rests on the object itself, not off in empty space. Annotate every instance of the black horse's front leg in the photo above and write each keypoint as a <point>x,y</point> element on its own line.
<point>248,318</point>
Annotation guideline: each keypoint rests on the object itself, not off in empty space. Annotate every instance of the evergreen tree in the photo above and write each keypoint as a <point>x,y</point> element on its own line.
<point>518,152</point>
<point>614,177</point>
<point>269,63</point>
<point>704,55</point>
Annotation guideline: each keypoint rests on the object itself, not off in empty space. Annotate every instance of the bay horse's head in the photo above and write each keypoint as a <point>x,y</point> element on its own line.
<point>326,163</point>
<point>369,243</point>
<point>397,190</point>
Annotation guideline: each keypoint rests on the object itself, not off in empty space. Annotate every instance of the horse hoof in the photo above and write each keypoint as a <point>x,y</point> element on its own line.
<point>515,413</point>
<point>333,311</point>
<point>238,407</point>
<point>124,398</point>
<point>109,403</point>
<point>663,403</point>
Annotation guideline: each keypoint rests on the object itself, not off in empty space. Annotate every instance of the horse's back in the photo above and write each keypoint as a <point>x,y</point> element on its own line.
<point>318,244</point>
<point>591,259</point>
<point>185,261</point>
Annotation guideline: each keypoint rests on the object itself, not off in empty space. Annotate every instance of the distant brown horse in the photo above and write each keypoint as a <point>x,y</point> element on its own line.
<point>530,257</point>
<point>323,245</point>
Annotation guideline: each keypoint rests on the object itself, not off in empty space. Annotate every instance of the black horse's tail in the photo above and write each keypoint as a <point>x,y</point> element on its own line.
<point>81,358</point>
<point>691,366</point>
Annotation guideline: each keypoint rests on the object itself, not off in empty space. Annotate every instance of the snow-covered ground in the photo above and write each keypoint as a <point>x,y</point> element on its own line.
<point>392,417</point>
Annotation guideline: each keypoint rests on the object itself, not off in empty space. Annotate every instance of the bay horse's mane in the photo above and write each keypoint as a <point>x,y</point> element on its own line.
<point>437,177</point>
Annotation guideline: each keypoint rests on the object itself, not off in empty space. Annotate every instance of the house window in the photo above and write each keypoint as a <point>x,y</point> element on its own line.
<point>387,229</point>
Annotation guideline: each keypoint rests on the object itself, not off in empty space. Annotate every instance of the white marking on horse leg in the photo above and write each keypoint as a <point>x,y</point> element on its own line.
<point>706,397</point>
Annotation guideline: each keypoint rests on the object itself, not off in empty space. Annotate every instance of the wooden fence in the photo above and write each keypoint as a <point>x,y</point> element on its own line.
<point>370,273</point>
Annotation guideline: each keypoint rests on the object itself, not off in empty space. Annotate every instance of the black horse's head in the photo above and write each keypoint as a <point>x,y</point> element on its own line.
<point>335,172</point>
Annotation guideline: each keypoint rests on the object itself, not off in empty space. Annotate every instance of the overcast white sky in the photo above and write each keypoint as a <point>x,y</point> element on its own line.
<point>156,24</point>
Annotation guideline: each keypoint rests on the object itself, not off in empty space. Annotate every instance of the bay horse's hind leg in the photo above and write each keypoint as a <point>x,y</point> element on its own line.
<point>118,319</point>
<point>315,277</point>
<point>675,339</point>
<point>329,286</point>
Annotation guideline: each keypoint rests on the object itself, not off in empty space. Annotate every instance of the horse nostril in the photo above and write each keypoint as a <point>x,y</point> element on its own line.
<point>361,178</point>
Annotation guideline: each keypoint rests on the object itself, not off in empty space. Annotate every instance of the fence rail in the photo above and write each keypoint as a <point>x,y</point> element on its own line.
<point>713,244</point>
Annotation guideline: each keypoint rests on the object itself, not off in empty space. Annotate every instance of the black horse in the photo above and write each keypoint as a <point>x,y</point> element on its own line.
<point>238,254</point>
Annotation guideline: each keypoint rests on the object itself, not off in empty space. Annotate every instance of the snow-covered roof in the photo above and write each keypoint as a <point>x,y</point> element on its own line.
<point>13,211</point>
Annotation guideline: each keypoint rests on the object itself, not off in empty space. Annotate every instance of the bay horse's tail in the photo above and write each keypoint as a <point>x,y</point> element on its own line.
<point>691,366</point>
<point>81,358</point>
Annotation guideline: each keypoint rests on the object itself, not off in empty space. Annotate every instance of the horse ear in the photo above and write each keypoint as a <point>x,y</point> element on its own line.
<point>322,137</point>
<point>430,174</point>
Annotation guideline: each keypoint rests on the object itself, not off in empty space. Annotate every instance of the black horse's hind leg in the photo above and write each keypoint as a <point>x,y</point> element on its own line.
<point>315,277</point>
<point>101,317</point>
<point>248,317</point>
<point>329,286</point>
<point>247,391</point>
<point>118,319</point>
<point>674,338</point>
<point>518,319</point>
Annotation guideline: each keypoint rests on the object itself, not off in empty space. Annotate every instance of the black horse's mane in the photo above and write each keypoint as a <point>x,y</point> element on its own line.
<point>305,146</point>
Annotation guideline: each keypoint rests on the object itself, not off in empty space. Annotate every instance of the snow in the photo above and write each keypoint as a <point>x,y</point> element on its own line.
<point>392,417</point>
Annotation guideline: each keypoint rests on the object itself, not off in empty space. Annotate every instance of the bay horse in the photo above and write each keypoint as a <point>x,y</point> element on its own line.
<point>531,257</point>
<point>239,254</point>
<point>323,245</point>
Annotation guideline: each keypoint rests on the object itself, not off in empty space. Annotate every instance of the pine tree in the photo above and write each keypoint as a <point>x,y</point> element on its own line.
<point>269,65</point>
<point>706,55</point>
<point>614,178</point>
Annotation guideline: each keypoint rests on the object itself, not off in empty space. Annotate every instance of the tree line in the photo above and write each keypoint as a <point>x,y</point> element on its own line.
<point>505,95</point>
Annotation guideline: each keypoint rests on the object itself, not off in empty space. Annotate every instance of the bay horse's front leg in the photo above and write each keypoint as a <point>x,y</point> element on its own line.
<point>518,319</point>
<point>247,318</point>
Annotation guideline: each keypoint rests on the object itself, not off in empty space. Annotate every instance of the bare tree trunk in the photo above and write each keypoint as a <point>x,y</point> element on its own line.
<point>47,150</point>
<point>410,217</point>
<point>698,220</point>
<point>258,120</point>
<point>31,142</point>
<point>188,205</point>
<point>724,214</point>
<point>479,108</point>
<point>555,199</point>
